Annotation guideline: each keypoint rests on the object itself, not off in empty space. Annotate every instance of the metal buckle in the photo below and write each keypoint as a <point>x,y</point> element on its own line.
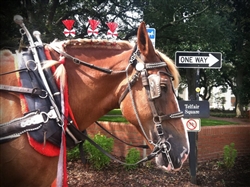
<point>38,118</point>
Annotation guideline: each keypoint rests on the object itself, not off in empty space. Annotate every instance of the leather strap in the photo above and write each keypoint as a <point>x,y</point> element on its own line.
<point>139,146</point>
<point>78,61</point>
<point>15,128</point>
<point>132,82</point>
<point>32,91</point>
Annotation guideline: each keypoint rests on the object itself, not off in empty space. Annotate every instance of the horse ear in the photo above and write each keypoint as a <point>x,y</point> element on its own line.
<point>144,43</point>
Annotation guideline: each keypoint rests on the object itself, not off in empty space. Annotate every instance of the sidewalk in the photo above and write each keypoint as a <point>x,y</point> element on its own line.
<point>240,121</point>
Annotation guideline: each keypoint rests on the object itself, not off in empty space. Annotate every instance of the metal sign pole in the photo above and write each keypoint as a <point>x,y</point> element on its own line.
<point>193,137</point>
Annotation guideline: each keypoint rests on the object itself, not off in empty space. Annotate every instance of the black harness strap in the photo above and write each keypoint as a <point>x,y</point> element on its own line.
<point>139,146</point>
<point>18,70</point>
<point>149,157</point>
<point>32,91</point>
<point>77,61</point>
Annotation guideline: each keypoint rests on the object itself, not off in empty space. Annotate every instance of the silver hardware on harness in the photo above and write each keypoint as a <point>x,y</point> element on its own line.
<point>39,118</point>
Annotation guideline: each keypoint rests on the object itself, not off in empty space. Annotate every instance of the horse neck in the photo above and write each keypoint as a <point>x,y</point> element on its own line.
<point>93,93</point>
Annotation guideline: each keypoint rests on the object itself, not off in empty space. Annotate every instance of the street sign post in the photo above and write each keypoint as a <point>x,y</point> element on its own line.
<point>152,35</point>
<point>192,59</point>
<point>193,109</point>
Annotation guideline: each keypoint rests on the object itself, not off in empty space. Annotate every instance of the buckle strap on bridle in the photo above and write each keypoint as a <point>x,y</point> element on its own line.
<point>155,65</point>
<point>171,116</point>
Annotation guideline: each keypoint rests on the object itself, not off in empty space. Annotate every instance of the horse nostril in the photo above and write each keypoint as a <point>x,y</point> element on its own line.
<point>184,158</point>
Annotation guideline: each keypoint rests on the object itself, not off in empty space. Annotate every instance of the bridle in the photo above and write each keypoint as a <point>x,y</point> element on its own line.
<point>152,85</point>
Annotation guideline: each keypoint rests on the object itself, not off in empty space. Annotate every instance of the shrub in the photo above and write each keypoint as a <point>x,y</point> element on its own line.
<point>73,153</point>
<point>96,157</point>
<point>132,157</point>
<point>229,156</point>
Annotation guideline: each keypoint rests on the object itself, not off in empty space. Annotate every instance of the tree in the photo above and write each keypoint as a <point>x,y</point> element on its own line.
<point>46,16</point>
<point>239,54</point>
<point>190,26</point>
<point>184,25</point>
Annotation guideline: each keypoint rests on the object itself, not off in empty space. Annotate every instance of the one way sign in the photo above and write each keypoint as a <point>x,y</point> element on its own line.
<point>192,59</point>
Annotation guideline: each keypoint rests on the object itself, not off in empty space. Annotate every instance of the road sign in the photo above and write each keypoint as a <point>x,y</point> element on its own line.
<point>152,35</point>
<point>193,124</point>
<point>196,59</point>
<point>195,109</point>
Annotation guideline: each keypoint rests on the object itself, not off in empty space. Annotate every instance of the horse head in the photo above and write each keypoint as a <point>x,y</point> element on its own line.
<point>151,105</point>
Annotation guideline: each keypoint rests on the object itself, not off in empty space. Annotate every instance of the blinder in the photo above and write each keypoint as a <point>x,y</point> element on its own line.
<point>154,81</point>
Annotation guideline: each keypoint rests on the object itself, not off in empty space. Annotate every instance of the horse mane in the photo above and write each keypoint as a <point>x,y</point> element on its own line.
<point>6,55</point>
<point>172,68</point>
<point>60,72</point>
<point>97,43</point>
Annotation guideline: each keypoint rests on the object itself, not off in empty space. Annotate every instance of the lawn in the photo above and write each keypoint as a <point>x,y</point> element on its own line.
<point>116,116</point>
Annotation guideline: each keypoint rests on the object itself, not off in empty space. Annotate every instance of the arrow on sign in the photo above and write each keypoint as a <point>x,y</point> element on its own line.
<point>210,60</point>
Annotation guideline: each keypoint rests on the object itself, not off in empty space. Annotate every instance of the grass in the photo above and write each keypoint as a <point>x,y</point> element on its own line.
<point>212,122</point>
<point>116,116</point>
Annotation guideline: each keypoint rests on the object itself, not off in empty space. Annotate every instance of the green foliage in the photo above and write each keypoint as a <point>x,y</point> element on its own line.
<point>181,25</point>
<point>113,119</point>
<point>229,156</point>
<point>96,157</point>
<point>73,153</point>
<point>132,157</point>
<point>115,112</point>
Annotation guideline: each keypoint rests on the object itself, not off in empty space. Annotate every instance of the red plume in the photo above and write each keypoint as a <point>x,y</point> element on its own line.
<point>112,26</point>
<point>68,23</point>
<point>93,23</point>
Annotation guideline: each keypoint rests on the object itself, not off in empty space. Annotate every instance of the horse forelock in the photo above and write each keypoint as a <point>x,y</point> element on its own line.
<point>172,68</point>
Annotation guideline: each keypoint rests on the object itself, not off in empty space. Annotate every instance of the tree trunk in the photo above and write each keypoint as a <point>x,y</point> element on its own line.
<point>238,106</point>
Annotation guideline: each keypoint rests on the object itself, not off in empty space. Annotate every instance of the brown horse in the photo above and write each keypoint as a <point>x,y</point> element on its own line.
<point>149,103</point>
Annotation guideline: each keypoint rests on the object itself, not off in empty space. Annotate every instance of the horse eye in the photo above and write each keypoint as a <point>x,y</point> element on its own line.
<point>164,84</point>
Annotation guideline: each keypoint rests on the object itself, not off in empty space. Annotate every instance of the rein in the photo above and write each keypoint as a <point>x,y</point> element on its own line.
<point>78,61</point>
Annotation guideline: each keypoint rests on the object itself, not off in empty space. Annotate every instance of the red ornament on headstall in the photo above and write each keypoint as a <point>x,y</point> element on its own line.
<point>68,23</point>
<point>112,29</point>
<point>93,30</point>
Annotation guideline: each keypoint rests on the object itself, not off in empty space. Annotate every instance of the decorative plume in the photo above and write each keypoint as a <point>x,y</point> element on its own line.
<point>68,23</point>
<point>93,30</point>
<point>112,29</point>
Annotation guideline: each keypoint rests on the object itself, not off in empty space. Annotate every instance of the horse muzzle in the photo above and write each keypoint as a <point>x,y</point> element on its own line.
<point>169,159</point>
